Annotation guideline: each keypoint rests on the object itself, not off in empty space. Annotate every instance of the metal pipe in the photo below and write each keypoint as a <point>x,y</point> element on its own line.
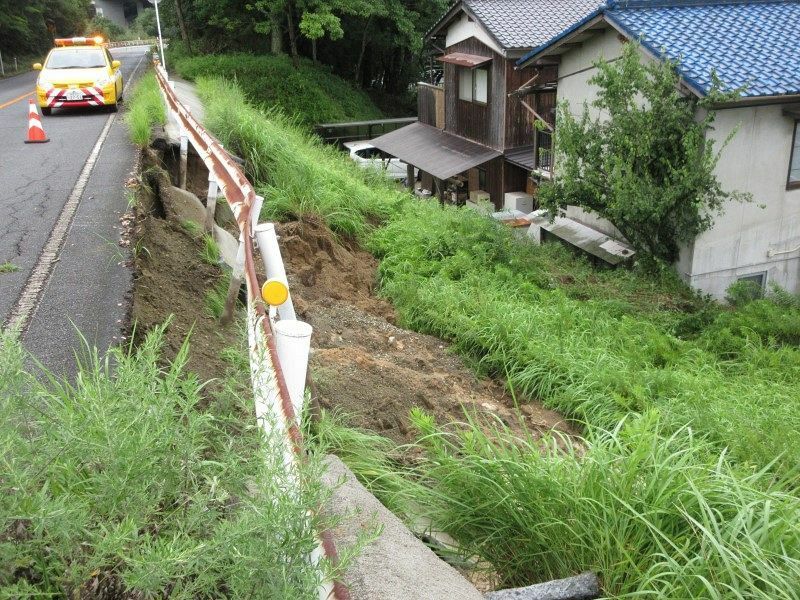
<point>293,342</point>
<point>273,264</point>
<point>160,39</point>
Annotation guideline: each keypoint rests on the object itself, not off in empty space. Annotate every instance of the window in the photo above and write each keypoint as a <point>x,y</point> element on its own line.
<point>794,160</point>
<point>465,84</point>
<point>481,77</point>
<point>473,85</point>
<point>482,179</point>
<point>760,279</point>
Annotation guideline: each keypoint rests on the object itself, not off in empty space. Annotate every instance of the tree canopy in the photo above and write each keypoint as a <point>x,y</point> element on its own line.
<point>647,165</point>
<point>29,27</point>
<point>375,43</point>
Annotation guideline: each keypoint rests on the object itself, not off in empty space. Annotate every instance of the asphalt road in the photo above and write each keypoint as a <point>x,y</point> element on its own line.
<point>85,278</point>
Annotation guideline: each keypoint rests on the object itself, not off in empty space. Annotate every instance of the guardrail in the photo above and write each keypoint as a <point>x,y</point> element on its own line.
<point>124,43</point>
<point>278,343</point>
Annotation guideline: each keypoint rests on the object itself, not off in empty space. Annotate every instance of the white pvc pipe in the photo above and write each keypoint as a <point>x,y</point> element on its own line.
<point>293,343</point>
<point>273,264</point>
<point>211,201</point>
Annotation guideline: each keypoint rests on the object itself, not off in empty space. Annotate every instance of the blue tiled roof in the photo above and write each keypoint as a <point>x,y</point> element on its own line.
<point>752,44</point>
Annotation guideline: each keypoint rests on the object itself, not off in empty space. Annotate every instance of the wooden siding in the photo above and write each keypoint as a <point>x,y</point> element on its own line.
<point>482,123</point>
<point>519,122</point>
<point>430,105</point>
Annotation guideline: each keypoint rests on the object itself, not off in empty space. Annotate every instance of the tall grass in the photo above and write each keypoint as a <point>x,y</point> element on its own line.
<point>145,109</point>
<point>125,480</point>
<point>461,277</point>
<point>657,515</point>
<point>687,485</point>
<point>296,174</point>
<point>310,94</point>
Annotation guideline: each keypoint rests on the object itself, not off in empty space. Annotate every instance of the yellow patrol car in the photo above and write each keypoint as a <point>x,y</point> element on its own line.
<point>79,72</point>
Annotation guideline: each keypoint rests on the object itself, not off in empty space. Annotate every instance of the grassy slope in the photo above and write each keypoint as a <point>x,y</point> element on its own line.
<point>133,477</point>
<point>601,346</point>
<point>311,94</point>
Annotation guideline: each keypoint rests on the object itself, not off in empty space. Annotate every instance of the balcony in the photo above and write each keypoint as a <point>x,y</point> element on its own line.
<point>543,152</point>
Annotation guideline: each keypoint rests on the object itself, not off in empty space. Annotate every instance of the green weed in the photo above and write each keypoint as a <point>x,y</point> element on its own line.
<point>210,252</point>
<point>193,229</point>
<point>8,267</point>
<point>145,109</point>
<point>215,298</point>
<point>128,477</point>
<point>655,514</point>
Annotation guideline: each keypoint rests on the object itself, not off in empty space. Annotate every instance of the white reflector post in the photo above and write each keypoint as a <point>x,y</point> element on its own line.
<point>293,343</point>
<point>273,264</point>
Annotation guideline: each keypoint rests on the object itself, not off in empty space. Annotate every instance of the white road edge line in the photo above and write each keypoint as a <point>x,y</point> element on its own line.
<point>31,294</point>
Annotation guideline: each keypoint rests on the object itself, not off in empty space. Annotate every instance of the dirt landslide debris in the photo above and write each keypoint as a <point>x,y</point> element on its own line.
<point>366,366</point>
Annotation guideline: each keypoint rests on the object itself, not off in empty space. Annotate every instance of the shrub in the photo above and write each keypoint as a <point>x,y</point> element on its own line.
<point>310,94</point>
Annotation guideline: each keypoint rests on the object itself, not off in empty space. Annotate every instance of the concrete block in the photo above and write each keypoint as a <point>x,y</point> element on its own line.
<point>181,205</point>
<point>396,566</point>
<point>228,245</point>
<point>518,201</point>
<point>585,586</point>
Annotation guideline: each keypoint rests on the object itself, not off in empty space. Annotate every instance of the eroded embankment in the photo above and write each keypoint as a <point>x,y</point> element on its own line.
<point>372,370</point>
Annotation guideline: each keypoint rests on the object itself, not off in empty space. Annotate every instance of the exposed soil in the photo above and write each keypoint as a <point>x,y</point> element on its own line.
<point>366,366</point>
<point>362,363</point>
<point>171,283</point>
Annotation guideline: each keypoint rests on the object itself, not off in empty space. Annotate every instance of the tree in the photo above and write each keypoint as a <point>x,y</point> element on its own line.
<point>647,166</point>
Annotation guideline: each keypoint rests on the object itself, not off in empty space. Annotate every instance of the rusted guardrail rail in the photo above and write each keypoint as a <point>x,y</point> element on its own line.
<point>278,343</point>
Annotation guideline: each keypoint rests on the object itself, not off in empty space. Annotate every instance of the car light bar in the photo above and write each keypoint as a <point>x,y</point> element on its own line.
<point>80,41</point>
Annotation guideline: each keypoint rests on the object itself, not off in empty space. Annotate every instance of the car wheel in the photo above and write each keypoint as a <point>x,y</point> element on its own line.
<point>47,111</point>
<point>113,107</point>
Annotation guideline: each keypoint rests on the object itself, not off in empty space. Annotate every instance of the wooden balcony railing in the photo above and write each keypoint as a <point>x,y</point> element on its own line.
<point>543,151</point>
<point>430,104</point>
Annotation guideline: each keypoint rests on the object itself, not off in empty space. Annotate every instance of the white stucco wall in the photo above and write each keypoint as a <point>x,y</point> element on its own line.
<point>756,161</point>
<point>463,29</point>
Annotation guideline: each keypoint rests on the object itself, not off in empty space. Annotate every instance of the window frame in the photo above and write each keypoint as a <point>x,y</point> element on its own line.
<point>462,71</point>
<point>790,183</point>
<point>763,275</point>
<point>475,88</point>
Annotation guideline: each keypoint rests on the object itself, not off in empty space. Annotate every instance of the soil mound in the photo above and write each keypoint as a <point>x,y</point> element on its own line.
<point>366,366</point>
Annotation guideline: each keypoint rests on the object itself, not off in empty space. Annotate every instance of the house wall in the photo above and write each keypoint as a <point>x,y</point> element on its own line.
<point>518,121</point>
<point>755,161</point>
<point>464,28</point>
<point>482,123</point>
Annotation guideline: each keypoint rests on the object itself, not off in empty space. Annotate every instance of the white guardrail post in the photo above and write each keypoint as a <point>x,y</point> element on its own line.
<point>279,349</point>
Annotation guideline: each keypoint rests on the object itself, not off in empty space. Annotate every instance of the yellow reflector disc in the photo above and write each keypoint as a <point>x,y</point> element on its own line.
<point>274,292</point>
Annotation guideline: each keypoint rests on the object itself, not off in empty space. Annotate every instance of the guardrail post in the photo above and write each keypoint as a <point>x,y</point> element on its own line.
<point>293,343</point>
<point>184,164</point>
<point>273,264</point>
<point>237,279</point>
<point>211,201</point>
<point>255,213</point>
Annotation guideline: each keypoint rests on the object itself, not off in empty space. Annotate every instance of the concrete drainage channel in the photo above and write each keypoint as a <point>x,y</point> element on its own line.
<point>397,565</point>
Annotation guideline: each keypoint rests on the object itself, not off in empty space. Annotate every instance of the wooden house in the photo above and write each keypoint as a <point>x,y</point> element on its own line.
<point>475,135</point>
<point>747,45</point>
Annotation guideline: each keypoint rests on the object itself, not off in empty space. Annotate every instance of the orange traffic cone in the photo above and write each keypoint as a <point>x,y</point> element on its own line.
<point>36,133</point>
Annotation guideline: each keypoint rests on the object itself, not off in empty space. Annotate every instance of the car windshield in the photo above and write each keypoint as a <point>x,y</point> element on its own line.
<point>74,58</point>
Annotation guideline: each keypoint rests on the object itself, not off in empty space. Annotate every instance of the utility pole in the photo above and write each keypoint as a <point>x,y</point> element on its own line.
<point>160,39</point>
